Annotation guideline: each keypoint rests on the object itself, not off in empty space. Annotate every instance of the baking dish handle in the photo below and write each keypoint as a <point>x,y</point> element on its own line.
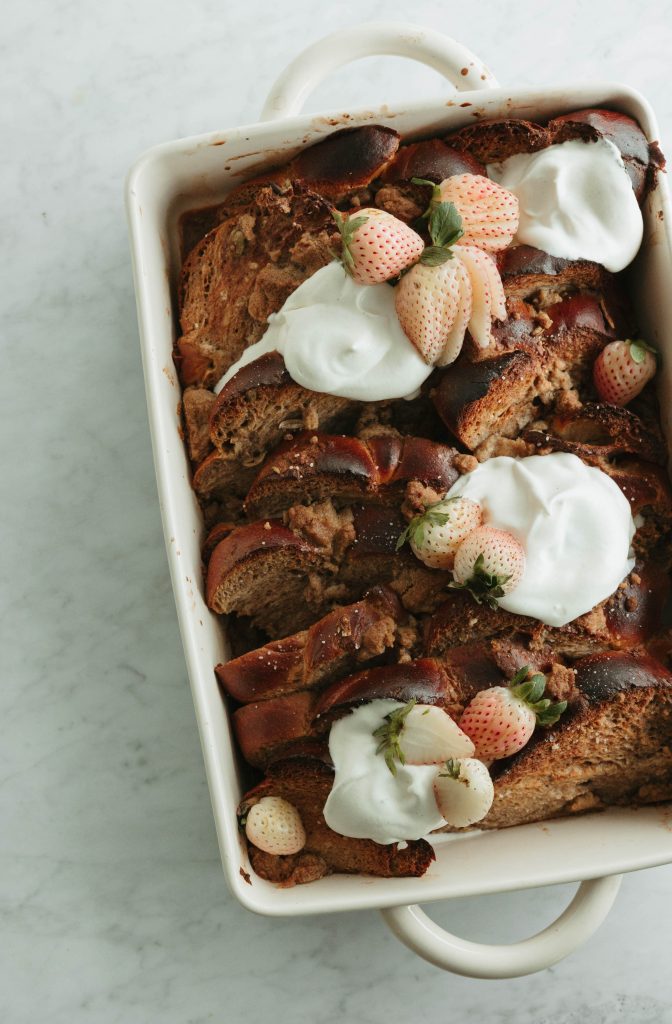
<point>583,916</point>
<point>389,38</point>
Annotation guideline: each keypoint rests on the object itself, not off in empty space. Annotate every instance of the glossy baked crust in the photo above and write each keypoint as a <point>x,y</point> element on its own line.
<point>304,496</point>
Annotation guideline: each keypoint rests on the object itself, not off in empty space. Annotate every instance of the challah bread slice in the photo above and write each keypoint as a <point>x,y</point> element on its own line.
<point>267,237</point>
<point>537,363</point>
<point>251,415</point>
<point>612,747</point>
<point>275,729</point>
<point>315,466</point>
<point>628,619</point>
<point>492,141</point>
<point>348,636</point>
<point>243,271</point>
<point>306,783</point>
<point>343,163</point>
<point>596,432</point>
<point>285,578</point>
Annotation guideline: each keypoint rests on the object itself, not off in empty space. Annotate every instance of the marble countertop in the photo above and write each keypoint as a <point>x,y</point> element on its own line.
<point>114,907</point>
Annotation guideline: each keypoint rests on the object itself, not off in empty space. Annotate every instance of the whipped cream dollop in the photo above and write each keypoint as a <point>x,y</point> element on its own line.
<point>576,201</point>
<point>341,338</point>
<point>574,522</point>
<point>366,800</point>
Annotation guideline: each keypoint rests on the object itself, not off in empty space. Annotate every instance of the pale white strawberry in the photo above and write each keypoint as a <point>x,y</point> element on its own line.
<point>427,300</point>
<point>488,299</point>
<point>489,212</point>
<point>437,533</point>
<point>489,563</point>
<point>274,826</point>
<point>622,370</point>
<point>452,345</point>
<point>502,719</point>
<point>376,245</point>
<point>430,736</point>
<point>464,791</point>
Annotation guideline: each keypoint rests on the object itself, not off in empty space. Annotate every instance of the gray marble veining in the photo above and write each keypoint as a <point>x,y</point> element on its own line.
<point>114,908</point>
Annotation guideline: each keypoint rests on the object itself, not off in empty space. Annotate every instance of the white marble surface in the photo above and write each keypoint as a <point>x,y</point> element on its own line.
<point>114,908</point>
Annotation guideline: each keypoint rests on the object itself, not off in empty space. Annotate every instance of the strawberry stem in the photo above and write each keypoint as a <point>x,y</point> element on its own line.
<point>415,531</point>
<point>436,194</point>
<point>531,691</point>
<point>484,587</point>
<point>452,771</point>
<point>638,350</point>
<point>389,733</point>
<point>347,227</point>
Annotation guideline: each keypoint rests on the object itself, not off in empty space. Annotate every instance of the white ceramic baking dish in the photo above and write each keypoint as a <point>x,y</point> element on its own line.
<point>189,173</point>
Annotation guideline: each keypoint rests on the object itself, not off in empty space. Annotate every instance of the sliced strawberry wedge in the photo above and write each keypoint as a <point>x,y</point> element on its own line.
<point>489,212</point>
<point>428,301</point>
<point>488,299</point>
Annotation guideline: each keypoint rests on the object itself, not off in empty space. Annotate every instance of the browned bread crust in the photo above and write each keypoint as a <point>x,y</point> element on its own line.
<point>270,730</point>
<point>537,363</point>
<point>626,620</point>
<point>348,470</point>
<point>243,271</point>
<point>332,646</point>
<point>284,579</point>
<point>614,746</point>
<point>491,141</point>
<point>306,785</point>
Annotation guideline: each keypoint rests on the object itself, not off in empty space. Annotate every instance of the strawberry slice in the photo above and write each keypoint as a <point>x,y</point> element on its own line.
<point>452,345</point>
<point>488,299</point>
<point>489,212</point>
<point>428,300</point>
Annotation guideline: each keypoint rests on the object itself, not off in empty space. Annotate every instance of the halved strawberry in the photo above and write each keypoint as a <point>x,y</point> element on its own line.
<point>376,245</point>
<point>420,734</point>
<point>464,791</point>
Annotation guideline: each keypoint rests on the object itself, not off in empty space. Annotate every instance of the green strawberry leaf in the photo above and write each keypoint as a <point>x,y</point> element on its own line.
<point>435,255</point>
<point>389,733</point>
<point>445,225</point>
<point>550,715</point>
<point>453,769</point>
<point>638,350</point>
<point>415,531</point>
<point>347,227</point>
<point>436,194</point>
<point>531,691</point>
<point>484,587</point>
